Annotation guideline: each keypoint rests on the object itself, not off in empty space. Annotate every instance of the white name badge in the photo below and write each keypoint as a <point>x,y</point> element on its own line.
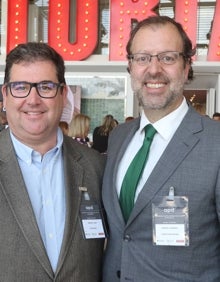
<point>91,217</point>
<point>93,228</point>
<point>170,219</point>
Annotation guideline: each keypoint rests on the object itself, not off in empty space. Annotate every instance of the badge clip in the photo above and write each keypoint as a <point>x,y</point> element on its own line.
<point>171,194</point>
<point>83,189</point>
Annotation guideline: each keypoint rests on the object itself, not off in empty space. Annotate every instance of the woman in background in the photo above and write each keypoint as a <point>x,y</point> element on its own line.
<point>101,133</point>
<point>79,129</point>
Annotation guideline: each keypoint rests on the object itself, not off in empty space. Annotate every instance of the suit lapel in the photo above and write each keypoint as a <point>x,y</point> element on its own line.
<point>129,133</point>
<point>179,147</point>
<point>74,179</point>
<point>13,187</point>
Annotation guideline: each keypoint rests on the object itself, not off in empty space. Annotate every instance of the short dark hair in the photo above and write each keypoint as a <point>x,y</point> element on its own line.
<point>31,52</point>
<point>216,114</point>
<point>188,50</point>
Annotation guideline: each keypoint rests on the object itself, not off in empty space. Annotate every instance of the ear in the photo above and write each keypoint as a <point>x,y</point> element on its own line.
<point>129,67</point>
<point>4,95</point>
<point>186,71</point>
<point>64,94</point>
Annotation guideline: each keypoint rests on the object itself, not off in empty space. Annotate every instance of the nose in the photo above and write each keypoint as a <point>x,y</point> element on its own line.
<point>154,65</point>
<point>33,97</point>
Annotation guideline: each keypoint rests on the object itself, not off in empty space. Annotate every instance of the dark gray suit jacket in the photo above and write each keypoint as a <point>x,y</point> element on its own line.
<point>22,254</point>
<point>191,164</point>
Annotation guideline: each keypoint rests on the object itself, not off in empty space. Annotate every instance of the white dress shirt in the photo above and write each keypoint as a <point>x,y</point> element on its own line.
<point>166,127</point>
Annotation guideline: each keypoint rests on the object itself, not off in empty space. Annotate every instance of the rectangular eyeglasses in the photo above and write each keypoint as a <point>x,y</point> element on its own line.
<point>165,58</point>
<point>45,89</point>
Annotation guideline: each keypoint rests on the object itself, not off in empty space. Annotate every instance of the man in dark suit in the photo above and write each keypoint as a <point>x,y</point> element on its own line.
<point>172,232</point>
<point>47,180</point>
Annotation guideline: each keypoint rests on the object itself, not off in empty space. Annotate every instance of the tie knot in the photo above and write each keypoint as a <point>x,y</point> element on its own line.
<point>149,132</point>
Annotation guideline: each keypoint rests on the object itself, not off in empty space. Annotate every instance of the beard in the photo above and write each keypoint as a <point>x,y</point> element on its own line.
<point>162,101</point>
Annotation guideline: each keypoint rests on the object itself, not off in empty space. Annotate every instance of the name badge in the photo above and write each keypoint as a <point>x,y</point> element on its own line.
<point>170,220</point>
<point>91,217</point>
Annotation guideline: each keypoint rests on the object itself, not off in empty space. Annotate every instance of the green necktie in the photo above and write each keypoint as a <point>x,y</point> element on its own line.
<point>134,173</point>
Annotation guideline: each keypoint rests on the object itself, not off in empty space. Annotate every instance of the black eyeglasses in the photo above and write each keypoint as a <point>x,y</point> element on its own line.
<point>165,58</point>
<point>45,89</point>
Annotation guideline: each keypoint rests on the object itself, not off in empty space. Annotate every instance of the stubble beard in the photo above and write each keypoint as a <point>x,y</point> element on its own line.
<point>159,103</point>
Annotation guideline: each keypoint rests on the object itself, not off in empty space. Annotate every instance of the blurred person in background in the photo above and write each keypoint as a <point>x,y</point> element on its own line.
<point>64,126</point>
<point>129,118</point>
<point>101,134</point>
<point>216,116</point>
<point>79,129</point>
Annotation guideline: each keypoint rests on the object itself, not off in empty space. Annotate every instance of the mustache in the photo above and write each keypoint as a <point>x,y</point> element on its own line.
<point>156,78</point>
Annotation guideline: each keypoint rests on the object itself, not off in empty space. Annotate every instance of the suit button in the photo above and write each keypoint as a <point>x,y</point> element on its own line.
<point>127,238</point>
<point>118,274</point>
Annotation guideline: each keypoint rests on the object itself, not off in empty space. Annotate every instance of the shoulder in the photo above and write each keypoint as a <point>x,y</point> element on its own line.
<point>96,129</point>
<point>201,129</point>
<point>123,129</point>
<point>5,143</point>
<point>212,127</point>
<point>79,151</point>
<point>199,122</point>
<point>121,135</point>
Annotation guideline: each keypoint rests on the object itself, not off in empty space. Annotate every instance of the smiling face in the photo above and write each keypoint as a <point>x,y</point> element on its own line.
<point>158,86</point>
<point>34,120</point>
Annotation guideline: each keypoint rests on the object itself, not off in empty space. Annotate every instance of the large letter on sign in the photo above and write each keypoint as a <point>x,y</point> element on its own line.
<point>17,23</point>
<point>214,45</point>
<point>186,14</point>
<point>122,13</point>
<point>86,28</point>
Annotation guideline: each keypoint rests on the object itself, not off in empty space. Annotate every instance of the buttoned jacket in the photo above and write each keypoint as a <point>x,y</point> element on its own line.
<point>190,164</point>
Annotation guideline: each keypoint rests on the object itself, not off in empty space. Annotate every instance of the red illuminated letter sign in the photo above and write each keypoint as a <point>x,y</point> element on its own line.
<point>122,12</point>
<point>186,14</point>
<point>86,27</point>
<point>17,23</point>
<point>86,23</point>
<point>214,45</point>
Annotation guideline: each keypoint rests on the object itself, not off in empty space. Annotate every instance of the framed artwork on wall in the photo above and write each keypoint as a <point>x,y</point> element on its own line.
<point>100,96</point>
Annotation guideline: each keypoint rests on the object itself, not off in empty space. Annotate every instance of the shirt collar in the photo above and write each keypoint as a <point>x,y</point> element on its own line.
<point>168,124</point>
<point>28,154</point>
